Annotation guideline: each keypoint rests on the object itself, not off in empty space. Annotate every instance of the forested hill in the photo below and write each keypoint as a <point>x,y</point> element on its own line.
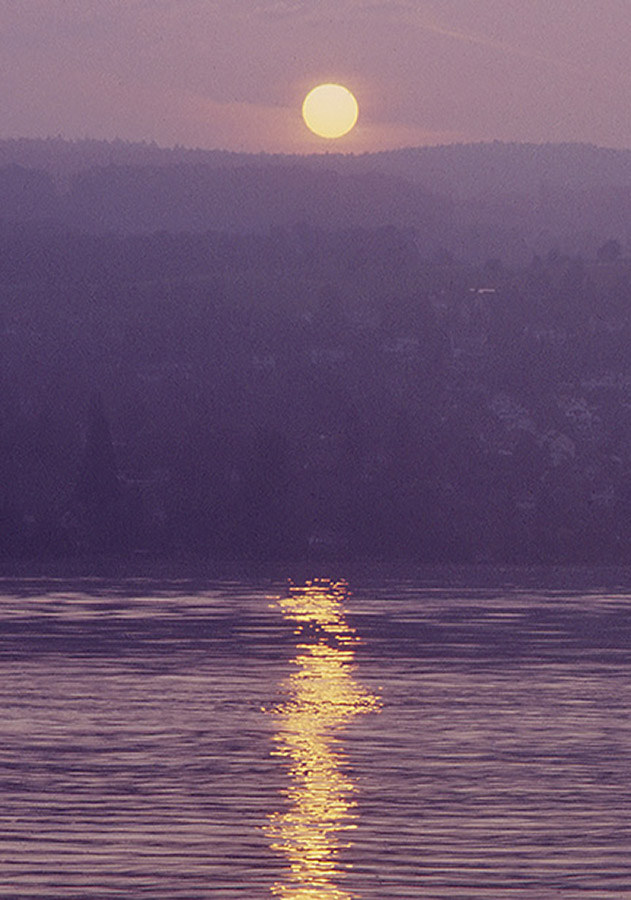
<point>257,357</point>
<point>311,392</point>
<point>471,170</point>
<point>199,198</point>
<point>466,202</point>
<point>463,170</point>
<point>244,199</point>
<point>63,159</point>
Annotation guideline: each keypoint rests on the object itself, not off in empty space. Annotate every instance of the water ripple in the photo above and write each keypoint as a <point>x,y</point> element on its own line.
<point>137,760</point>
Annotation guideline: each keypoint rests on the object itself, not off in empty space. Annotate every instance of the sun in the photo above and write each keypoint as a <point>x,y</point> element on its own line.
<point>330,110</point>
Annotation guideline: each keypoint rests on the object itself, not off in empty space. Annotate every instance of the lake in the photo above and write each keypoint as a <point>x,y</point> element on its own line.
<point>434,734</point>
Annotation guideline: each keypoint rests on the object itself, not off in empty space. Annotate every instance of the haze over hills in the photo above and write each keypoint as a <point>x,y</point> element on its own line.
<point>422,353</point>
<point>472,201</point>
<point>463,170</point>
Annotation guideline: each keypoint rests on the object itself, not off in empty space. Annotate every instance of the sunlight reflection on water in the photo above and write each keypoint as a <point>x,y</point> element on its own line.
<point>136,761</point>
<point>321,698</point>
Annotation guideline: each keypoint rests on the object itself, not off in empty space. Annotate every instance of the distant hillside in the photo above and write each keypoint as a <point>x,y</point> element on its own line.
<point>471,170</point>
<point>263,357</point>
<point>63,159</point>
<point>200,198</point>
<point>471,202</point>
<point>464,170</point>
<point>306,393</point>
<point>246,199</point>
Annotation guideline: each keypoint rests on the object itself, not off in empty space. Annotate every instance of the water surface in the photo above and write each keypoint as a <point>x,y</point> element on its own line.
<point>414,737</point>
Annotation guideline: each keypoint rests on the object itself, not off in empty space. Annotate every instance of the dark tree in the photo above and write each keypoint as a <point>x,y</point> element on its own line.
<point>266,529</point>
<point>97,507</point>
<point>610,251</point>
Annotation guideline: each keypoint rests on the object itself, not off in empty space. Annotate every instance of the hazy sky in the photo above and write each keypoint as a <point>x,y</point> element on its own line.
<point>232,73</point>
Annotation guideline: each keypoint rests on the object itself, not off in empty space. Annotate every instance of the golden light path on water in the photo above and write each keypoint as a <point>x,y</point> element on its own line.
<point>321,699</point>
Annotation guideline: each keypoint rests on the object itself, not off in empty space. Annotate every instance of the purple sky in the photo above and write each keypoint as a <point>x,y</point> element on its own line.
<point>232,73</point>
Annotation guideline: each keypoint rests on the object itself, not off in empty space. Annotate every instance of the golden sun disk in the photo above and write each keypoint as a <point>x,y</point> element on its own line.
<point>330,110</point>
